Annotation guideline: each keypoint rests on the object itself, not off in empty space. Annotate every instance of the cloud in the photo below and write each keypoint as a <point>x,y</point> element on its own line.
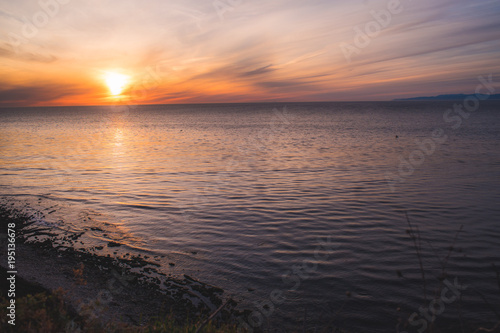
<point>34,94</point>
<point>443,33</point>
<point>259,71</point>
<point>265,49</point>
<point>26,56</point>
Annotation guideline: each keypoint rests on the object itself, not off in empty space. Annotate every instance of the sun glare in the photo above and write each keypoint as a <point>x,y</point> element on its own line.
<point>116,82</point>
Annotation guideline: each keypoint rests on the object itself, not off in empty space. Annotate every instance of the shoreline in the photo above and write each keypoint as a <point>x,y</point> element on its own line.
<point>132,291</point>
<point>104,289</point>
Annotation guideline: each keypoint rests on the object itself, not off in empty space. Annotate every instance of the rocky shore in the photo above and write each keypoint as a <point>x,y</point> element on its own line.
<point>106,290</point>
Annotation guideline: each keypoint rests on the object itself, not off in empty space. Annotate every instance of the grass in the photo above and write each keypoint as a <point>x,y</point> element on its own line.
<point>46,312</point>
<point>41,312</point>
<point>416,238</point>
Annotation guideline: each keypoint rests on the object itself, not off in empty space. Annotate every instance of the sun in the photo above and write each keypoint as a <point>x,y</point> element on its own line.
<point>116,82</point>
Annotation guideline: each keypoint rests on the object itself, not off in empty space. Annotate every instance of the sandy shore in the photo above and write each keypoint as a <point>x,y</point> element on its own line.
<point>126,290</point>
<point>92,292</point>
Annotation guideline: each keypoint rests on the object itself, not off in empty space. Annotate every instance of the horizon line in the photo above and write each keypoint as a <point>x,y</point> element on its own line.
<point>408,99</point>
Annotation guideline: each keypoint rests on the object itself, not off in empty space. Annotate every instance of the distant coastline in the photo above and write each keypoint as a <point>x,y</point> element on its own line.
<point>452,97</point>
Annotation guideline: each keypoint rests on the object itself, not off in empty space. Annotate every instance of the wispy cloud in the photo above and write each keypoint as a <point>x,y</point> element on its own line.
<point>8,52</point>
<point>254,50</point>
<point>34,94</point>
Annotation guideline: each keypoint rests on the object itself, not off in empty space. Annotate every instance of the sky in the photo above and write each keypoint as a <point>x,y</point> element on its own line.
<point>101,52</point>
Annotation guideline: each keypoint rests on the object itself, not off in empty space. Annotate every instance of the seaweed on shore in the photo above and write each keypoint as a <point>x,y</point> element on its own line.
<point>25,223</point>
<point>181,298</point>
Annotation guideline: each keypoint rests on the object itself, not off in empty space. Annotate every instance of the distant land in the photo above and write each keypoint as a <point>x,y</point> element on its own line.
<point>453,97</point>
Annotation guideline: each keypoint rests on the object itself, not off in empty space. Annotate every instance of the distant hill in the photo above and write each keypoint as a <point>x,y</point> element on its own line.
<point>454,97</point>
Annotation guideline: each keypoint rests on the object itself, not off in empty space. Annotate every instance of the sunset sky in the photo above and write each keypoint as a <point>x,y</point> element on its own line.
<point>76,52</point>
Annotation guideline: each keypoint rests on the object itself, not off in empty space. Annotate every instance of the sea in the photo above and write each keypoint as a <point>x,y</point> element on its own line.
<point>355,216</point>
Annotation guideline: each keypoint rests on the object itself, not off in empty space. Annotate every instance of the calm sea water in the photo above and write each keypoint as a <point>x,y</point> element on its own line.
<point>306,201</point>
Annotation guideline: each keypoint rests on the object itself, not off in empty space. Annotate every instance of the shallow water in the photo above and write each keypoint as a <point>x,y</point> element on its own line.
<point>304,199</point>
